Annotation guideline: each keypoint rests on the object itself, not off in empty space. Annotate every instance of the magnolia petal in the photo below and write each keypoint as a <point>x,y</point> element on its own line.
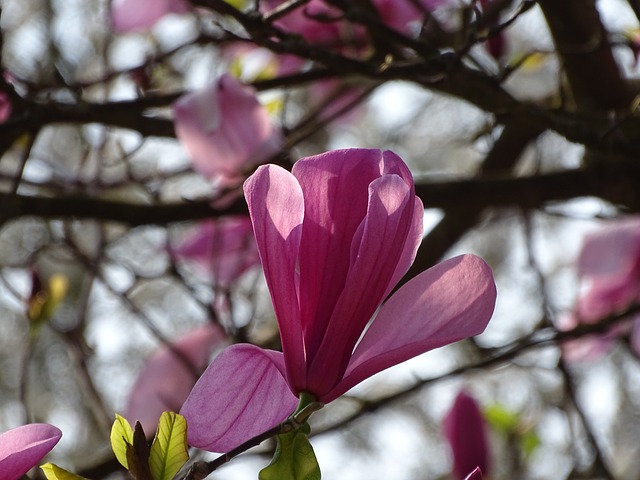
<point>335,186</point>
<point>450,301</point>
<point>276,206</point>
<point>170,374</point>
<point>374,257</point>
<point>22,448</point>
<point>240,395</point>
<point>466,432</point>
<point>410,250</point>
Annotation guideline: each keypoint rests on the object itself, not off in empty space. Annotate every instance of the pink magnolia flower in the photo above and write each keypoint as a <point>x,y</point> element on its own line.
<point>335,236</point>
<point>224,247</point>
<point>465,430</point>
<point>609,269</point>
<point>133,15</point>
<point>225,129</point>
<point>169,375</point>
<point>23,447</point>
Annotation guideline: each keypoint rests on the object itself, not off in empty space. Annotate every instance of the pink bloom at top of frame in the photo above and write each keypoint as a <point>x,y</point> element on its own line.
<point>609,271</point>
<point>335,236</point>
<point>316,21</point>
<point>225,129</point>
<point>169,375</point>
<point>23,447</point>
<point>466,432</point>
<point>224,247</point>
<point>399,14</point>
<point>134,15</point>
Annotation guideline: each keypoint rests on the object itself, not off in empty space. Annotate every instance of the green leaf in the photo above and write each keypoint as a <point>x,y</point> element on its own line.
<point>169,449</point>
<point>294,459</point>
<point>54,472</point>
<point>121,436</point>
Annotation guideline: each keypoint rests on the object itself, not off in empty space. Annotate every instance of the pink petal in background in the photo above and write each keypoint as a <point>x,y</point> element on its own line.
<point>224,247</point>
<point>225,130</point>
<point>134,15</point>
<point>609,274</point>
<point>466,431</point>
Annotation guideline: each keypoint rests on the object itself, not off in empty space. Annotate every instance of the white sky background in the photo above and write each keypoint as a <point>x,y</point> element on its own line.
<point>440,146</point>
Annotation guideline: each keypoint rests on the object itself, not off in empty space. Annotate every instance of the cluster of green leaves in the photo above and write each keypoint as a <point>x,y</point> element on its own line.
<point>160,461</point>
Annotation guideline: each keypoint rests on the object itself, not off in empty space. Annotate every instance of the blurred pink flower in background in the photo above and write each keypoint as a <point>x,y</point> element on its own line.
<point>169,375</point>
<point>609,270</point>
<point>134,15</point>
<point>335,235</point>
<point>466,431</point>
<point>316,21</point>
<point>400,14</point>
<point>225,130</point>
<point>23,447</point>
<point>225,248</point>
<point>324,25</point>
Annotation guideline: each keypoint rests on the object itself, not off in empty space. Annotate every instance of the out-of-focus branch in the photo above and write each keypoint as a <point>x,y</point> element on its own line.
<point>470,196</point>
<point>583,45</point>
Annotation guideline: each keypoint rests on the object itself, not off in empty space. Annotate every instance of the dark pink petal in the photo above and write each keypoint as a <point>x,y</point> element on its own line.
<point>240,395</point>
<point>276,206</point>
<point>375,252</point>
<point>170,374</point>
<point>466,432</point>
<point>225,129</point>
<point>450,301</point>
<point>475,475</point>
<point>132,15</point>
<point>22,448</point>
<point>335,186</point>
